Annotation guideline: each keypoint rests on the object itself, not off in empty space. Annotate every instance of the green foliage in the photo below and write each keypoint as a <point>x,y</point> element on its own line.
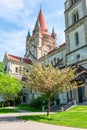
<point>1,67</point>
<point>27,107</point>
<point>9,87</point>
<point>39,102</point>
<point>76,117</point>
<point>56,98</point>
<point>7,110</point>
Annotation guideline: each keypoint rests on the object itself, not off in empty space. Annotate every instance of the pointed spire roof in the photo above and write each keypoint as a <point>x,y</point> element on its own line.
<point>37,23</point>
<point>42,22</point>
<point>28,34</point>
<point>53,30</point>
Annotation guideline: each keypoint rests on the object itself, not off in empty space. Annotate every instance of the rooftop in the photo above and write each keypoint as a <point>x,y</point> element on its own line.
<point>42,23</point>
<point>16,58</point>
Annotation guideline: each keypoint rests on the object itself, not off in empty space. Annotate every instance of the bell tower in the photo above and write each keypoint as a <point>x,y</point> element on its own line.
<point>40,42</point>
<point>76,31</point>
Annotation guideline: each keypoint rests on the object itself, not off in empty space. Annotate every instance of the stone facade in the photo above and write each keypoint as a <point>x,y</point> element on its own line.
<point>15,65</point>
<point>55,57</point>
<point>76,39</point>
<point>76,31</point>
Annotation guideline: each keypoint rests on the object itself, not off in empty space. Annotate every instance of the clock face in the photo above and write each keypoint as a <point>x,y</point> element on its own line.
<point>48,47</point>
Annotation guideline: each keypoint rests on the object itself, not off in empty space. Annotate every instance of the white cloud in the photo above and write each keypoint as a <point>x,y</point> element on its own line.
<point>60,13</point>
<point>14,11</point>
<point>13,43</point>
<point>55,14</point>
<point>61,37</point>
<point>12,4</point>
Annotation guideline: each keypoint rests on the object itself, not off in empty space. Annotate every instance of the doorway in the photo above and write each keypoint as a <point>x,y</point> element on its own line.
<point>80,94</point>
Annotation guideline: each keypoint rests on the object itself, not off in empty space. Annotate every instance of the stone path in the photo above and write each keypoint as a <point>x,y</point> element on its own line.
<point>10,122</point>
<point>29,125</point>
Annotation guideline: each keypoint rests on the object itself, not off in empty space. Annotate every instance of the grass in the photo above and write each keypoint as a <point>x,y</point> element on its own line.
<point>27,108</point>
<point>76,117</point>
<point>7,110</point>
<point>17,109</point>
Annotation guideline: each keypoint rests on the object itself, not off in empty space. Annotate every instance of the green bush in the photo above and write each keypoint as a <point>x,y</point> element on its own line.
<point>42,101</point>
<point>39,102</point>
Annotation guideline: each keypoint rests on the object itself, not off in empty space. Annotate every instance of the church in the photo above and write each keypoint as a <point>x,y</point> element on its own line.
<point>42,44</point>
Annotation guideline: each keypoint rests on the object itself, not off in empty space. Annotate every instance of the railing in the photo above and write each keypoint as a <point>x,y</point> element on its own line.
<point>68,106</point>
<point>55,108</point>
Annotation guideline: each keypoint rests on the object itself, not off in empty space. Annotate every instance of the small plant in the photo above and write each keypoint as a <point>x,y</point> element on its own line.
<point>39,102</point>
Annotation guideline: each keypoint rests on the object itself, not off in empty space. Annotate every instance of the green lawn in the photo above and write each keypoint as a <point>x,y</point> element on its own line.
<point>17,109</point>
<point>27,108</point>
<point>7,110</point>
<point>76,117</point>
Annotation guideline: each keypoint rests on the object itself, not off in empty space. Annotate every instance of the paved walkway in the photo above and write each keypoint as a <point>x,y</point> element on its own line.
<point>10,122</point>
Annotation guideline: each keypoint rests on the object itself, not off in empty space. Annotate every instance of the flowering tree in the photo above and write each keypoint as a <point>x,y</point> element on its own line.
<point>50,81</point>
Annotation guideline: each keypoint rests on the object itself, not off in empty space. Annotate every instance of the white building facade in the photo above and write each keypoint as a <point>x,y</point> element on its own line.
<point>76,39</point>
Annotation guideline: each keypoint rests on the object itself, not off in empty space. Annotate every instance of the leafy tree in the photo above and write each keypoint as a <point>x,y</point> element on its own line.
<point>9,87</point>
<point>50,81</point>
<point>1,67</point>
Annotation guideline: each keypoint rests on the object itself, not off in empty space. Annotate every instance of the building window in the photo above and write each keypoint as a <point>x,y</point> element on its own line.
<point>75,17</point>
<point>20,70</point>
<point>54,60</point>
<point>27,71</point>
<point>23,69</point>
<point>24,99</point>
<point>57,59</point>
<point>73,1</point>
<point>21,59</point>
<point>78,57</point>
<point>30,90</point>
<point>5,69</point>
<point>16,69</point>
<point>77,38</point>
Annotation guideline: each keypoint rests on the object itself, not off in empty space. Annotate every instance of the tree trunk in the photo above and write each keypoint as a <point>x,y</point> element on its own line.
<point>48,108</point>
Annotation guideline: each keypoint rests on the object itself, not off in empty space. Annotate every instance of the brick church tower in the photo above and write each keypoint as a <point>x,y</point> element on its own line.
<point>41,42</point>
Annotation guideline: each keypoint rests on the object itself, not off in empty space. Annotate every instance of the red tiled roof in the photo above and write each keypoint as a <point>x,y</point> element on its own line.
<point>42,22</point>
<point>59,47</point>
<point>62,45</point>
<point>51,51</point>
<point>16,58</point>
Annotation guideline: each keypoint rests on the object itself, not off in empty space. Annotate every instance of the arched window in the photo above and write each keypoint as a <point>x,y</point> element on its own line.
<point>55,60</point>
<point>73,1</point>
<point>20,70</point>
<point>23,69</point>
<point>16,69</point>
<point>75,16</point>
<point>5,69</point>
<point>78,57</point>
<point>77,38</point>
<point>52,62</point>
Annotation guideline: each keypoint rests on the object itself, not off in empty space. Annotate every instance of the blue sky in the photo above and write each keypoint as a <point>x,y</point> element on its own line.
<point>17,16</point>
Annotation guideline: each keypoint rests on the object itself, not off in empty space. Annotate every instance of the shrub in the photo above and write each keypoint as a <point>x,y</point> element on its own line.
<point>39,102</point>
